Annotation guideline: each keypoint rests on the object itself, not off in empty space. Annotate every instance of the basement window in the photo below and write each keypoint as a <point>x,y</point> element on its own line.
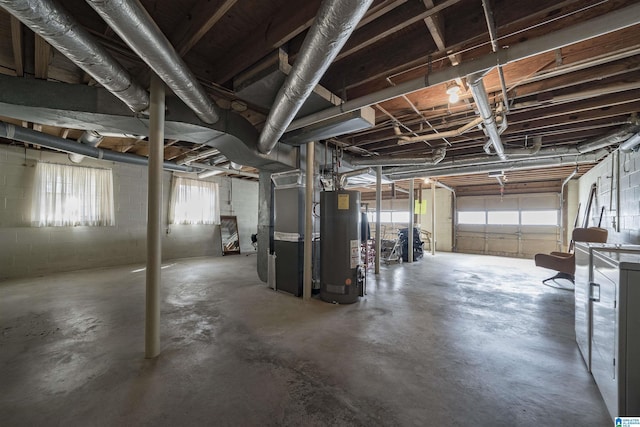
<point>194,202</point>
<point>66,195</point>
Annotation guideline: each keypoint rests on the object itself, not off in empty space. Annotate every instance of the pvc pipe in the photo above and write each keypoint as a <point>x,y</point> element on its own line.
<point>154,219</point>
<point>378,209</point>
<point>308,224</point>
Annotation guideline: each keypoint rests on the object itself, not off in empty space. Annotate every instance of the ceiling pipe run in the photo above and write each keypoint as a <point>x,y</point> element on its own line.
<point>511,165</point>
<point>30,136</point>
<point>525,152</point>
<point>601,25</point>
<point>331,28</point>
<point>630,144</point>
<point>54,24</point>
<point>343,177</point>
<point>404,139</point>
<point>615,137</point>
<point>479,93</point>
<point>435,158</point>
<point>134,25</point>
<point>221,170</point>
<point>89,137</point>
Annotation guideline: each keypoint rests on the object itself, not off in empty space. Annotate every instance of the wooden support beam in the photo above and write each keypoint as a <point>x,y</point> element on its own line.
<point>64,133</point>
<point>170,142</point>
<point>201,19</point>
<point>42,58</point>
<point>130,146</point>
<point>383,27</point>
<point>18,46</point>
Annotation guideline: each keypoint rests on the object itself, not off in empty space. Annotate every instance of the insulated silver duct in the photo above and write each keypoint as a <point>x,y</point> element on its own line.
<point>611,138</point>
<point>434,159</point>
<point>331,28</point>
<point>630,144</point>
<point>479,93</point>
<point>54,24</point>
<point>343,177</point>
<point>207,167</point>
<point>30,136</point>
<point>137,29</point>
<point>89,137</point>
<point>525,152</point>
<point>512,165</point>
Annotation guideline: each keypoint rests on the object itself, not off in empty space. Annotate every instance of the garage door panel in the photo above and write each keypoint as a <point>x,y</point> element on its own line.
<point>509,240</point>
<point>532,246</point>
<point>471,243</point>
<point>503,245</point>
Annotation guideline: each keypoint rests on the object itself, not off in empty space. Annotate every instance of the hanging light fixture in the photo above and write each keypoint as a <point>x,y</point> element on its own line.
<point>453,90</point>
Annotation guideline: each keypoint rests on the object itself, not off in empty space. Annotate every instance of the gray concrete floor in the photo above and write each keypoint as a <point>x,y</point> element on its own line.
<point>455,340</point>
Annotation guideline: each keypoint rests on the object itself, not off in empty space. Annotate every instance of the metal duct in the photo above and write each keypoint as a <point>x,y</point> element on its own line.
<point>479,93</point>
<point>611,138</point>
<point>54,24</point>
<point>331,28</point>
<point>221,169</point>
<point>610,22</point>
<point>403,139</point>
<point>435,158</point>
<point>512,165</point>
<point>89,137</point>
<point>30,136</point>
<point>137,29</point>
<point>630,144</point>
<point>343,177</point>
<point>525,152</point>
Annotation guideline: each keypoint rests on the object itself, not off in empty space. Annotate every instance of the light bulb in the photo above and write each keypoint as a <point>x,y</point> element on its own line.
<point>453,90</point>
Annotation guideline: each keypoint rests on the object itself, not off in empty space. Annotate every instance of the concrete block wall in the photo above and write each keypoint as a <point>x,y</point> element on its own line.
<point>619,173</point>
<point>30,251</point>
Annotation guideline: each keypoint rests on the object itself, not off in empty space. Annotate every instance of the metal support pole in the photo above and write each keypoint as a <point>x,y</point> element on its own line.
<point>154,219</point>
<point>378,208</point>
<point>410,228</point>
<point>433,218</point>
<point>308,223</point>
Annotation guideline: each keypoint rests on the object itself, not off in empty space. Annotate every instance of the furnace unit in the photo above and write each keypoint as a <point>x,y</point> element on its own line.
<point>341,273</point>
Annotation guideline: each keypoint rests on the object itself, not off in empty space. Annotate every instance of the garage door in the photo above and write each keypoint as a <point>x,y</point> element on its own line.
<point>515,225</point>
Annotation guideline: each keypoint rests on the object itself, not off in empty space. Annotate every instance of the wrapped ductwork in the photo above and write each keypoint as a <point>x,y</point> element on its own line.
<point>333,25</point>
<point>137,29</point>
<point>54,24</point>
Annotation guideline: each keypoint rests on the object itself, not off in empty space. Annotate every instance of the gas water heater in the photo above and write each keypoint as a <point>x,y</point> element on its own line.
<point>341,273</point>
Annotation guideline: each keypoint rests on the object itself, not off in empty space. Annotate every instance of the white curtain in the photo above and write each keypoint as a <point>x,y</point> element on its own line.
<point>72,195</point>
<point>194,202</point>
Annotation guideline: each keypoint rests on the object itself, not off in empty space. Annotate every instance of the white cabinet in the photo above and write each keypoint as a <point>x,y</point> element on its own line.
<point>610,317</point>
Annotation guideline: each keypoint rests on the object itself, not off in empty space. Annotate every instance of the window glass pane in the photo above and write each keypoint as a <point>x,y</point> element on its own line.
<point>400,216</point>
<point>472,217</point>
<point>547,217</point>
<point>385,216</point>
<point>67,195</point>
<point>503,218</point>
<point>194,202</point>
